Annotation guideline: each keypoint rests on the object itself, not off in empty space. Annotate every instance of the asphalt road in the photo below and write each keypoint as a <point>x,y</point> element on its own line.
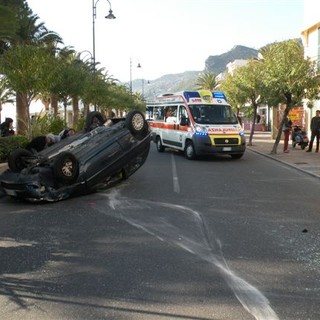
<point>211,239</point>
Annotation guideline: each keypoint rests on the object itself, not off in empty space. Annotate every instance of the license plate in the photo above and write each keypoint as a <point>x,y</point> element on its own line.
<point>226,149</point>
<point>10,192</point>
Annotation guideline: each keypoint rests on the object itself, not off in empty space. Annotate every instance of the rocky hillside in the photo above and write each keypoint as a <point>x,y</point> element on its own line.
<point>217,64</point>
<point>176,82</point>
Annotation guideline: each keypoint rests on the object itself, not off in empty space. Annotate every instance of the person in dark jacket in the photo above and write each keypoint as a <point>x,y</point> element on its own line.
<point>6,128</point>
<point>315,131</point>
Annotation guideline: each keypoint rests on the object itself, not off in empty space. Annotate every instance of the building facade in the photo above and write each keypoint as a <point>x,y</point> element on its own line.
<point>310,36</point>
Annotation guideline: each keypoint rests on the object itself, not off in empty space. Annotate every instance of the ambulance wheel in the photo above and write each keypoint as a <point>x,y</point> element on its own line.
<point>160,147</point>
<point>189,151</point>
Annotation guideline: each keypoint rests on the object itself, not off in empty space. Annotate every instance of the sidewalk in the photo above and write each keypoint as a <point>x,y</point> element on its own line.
<point>308,162</point>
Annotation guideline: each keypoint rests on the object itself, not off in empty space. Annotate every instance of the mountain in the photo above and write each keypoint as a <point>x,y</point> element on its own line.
<point>217,64</point>
<point>168,83</point>
<point>171,83</point>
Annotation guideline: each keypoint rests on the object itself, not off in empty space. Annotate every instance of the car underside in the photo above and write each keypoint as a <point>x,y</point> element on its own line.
<point>100,156</point>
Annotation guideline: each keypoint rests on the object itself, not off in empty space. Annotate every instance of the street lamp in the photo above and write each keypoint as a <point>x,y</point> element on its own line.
<point>94,15</point>
<point>142,83</point>
<point>138,66</point>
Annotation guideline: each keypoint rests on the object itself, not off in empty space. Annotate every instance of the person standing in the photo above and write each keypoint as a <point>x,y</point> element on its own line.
<point>315,131</point>
<point>6,128</point>
<point>286,130</point>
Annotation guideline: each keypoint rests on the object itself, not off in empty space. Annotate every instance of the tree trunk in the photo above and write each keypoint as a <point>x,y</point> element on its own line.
<point>65,104</point>
<point>22,110</point>
<point>54,104</point>
<point>46,103</point>
<point>86,109</point>
<point>255,106</point>
<point>75,107</point>
<point>278,138</point>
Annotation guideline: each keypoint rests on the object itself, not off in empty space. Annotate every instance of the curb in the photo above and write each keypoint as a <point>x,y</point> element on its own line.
<point>284,162</point>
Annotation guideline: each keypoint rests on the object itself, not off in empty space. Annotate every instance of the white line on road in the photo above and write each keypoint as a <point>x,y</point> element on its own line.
<point>195,240</point>
<point>176,186</point>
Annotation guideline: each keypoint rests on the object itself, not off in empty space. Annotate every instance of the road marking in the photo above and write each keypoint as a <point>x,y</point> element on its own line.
<point>176,186</point>
<point>197,240</point>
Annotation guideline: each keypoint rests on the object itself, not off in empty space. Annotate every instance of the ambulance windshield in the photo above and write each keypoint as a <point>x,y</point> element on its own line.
<point>213,114</point>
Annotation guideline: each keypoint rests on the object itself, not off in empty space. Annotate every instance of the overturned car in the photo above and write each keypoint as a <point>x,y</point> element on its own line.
<point>104,153</point>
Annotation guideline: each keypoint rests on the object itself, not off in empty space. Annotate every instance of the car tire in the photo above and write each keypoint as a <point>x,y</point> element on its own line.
<point>189,151</point>
<point>94,119</point>
<point>135,122</point>
<point>160,147</point>
<point>66,168</point>
<point>17,159</point>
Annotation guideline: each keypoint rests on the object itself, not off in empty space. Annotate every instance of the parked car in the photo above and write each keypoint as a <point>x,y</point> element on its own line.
<point>102,154</point>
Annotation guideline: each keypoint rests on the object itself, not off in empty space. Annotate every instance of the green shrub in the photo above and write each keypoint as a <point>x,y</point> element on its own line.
<point>9,144</point>
<point>40,125</point>
<point>48,123</point>
<point>80,124</point>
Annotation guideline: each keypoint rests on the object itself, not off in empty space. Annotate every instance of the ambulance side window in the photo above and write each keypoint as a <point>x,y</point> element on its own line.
<point>183,115</point>
<point>171,113</point>
<point>159,113</point>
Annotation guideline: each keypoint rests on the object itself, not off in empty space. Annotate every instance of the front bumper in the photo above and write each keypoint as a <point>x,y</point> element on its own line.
<point>223,145</point>
<point>22,186</point>
<point>30,187</point>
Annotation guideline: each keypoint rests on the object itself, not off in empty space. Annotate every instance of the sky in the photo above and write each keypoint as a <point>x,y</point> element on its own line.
<point>167,36</point>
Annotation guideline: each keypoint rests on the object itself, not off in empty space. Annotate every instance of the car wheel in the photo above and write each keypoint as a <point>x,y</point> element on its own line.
<point>18,159</point>
<point>136,123</point>
<point>66,168</point>
<point>94,119</point>
<point>159,145</point>
<point>189,151</point>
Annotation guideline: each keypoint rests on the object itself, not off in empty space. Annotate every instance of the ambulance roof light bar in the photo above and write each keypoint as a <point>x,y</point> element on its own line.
<point>191,94</point>
<point>219,95</point>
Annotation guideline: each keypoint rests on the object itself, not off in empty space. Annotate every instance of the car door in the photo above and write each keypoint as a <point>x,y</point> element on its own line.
<point>183,123</point>
<point>169,134</point>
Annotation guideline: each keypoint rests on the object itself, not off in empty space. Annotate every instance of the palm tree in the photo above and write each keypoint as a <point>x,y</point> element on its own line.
<point>206,81</point>
<point>25,31</point>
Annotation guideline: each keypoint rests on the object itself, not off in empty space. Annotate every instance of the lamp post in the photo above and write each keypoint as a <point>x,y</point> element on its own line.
<point>94,16</point>
<point>142,83</point>
<point>138,66</point>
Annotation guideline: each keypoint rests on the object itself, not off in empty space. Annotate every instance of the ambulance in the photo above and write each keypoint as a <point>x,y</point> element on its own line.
<point>197,123</point>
